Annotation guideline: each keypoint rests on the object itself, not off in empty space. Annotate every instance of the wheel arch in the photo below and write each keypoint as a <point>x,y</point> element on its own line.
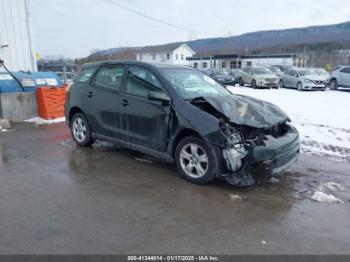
<point>301,83</point>
<point>181,135</point>
<point>73,111</point>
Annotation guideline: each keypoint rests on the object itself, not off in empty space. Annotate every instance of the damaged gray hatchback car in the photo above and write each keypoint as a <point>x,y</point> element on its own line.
<point>178,114</point>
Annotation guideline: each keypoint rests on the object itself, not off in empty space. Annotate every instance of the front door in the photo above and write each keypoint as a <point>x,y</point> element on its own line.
<point>289,78</point>
<point>142,121</point>
<point>102,98</point>
<point>344,77</point>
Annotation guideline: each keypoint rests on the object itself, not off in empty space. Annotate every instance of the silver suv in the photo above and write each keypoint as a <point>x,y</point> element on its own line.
<point>340,77</point>
<point>258,76</point>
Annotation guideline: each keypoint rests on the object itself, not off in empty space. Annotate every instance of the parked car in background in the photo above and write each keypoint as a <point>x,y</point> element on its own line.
<point>258,77</point>
<point>180,115</point>
<point>206,71</point>
<point>321,72</point>
<point>276,70</point>
<point>303,79</point>
<point>222,76</point>
<point>340,77</point>
<point>66,78</point>
<point>284,68</point>
<point>236,73</point>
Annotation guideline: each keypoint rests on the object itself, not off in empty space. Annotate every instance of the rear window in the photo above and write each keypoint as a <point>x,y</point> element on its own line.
<point>85,75</point>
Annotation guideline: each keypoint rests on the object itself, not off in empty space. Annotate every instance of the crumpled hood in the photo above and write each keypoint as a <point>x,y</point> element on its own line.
<point>248,111</point>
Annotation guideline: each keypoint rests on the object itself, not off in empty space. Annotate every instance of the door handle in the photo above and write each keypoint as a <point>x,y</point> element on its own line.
<point>125,102</point>
<point>90,94</point>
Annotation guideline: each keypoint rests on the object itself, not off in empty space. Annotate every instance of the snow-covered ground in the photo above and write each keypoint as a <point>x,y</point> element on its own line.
<point>322,118</point>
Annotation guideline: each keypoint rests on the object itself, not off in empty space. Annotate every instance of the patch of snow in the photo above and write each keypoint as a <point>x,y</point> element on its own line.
<point>41,121</point>
<point>320,196</point>
<point>322,118</point>
<point>235,197</point>
<point>332,186</point>
<point>6,130</point>
<point>263,242</point>
<point>274,180</point>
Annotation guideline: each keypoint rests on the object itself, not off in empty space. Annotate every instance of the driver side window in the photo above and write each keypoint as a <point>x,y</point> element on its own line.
<point>140,82</point>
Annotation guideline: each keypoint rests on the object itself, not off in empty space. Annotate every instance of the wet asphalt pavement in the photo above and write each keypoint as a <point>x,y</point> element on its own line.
<point>56,198</point>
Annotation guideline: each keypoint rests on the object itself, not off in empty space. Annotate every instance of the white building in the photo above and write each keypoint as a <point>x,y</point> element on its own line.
<point>170,53</point>
<point>233,61</point>
<point>16,42</point>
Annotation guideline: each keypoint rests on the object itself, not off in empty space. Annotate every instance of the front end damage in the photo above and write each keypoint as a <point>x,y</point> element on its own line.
<point>255,137</point>
<point>269,152</point>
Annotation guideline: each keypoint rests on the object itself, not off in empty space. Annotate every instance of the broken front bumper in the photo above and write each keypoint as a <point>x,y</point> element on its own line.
<point>278,154</point>
<point>272,159</point>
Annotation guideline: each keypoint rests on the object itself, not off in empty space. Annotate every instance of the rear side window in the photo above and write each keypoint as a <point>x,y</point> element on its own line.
<point>110,77</point>
<point>85,75</point>
<point>141,81</point>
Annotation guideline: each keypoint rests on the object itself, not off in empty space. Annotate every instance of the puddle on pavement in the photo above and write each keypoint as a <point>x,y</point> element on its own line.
<point>294,185</point>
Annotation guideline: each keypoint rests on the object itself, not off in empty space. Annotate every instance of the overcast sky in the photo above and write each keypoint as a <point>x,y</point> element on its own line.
<point>75,27</point>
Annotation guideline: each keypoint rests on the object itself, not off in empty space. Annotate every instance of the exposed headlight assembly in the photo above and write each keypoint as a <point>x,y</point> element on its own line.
<point>235,150</point>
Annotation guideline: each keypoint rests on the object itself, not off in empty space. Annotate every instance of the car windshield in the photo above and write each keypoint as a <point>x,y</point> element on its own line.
<point>321,72</point>
<point>191,84</point>
<point>262,71</point>
<point>306,72</point>
<point>221,72</point>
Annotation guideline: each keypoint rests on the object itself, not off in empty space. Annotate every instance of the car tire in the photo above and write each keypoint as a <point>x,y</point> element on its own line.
<point>195,160</point>
<point>253,84</point>
<point>300,86</point>
<point>241,83</point>
<point>334,84</point>
<point>80,130</point>
<point>281,85</point>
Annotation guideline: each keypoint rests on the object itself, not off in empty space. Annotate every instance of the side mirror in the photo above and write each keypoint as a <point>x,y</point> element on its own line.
<point>159,96</point>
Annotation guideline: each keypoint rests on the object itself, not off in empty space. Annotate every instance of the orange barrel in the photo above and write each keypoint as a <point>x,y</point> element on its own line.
<point>51,102</point>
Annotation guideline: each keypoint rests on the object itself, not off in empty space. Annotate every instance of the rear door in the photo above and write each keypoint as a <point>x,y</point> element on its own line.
<point>294,79</point>
<point>102,98</point>
<point>285,78</point>
<point>142,121</point>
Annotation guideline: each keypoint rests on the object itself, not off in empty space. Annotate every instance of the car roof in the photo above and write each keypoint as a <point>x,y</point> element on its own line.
<point>137,63</point>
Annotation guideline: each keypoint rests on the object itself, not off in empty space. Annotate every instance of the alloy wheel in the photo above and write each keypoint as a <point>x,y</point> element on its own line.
<point>300,86</point>
<point>281,84</point>
<point>79,129</point>
<point>194,160</point>
<point>253,84</point>
<point>333,85</point>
